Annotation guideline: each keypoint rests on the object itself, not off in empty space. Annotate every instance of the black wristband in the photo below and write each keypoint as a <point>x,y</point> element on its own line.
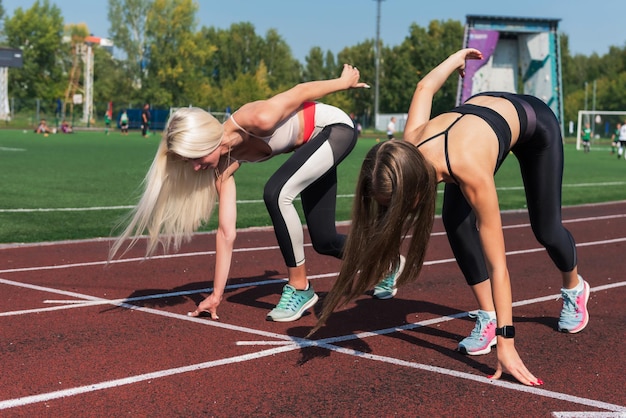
<point>507,331</point>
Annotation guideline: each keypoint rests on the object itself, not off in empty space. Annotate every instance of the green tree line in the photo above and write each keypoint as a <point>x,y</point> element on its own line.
<point>164,58</point>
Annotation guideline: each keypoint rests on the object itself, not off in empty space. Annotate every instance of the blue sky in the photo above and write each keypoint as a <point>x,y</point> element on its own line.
<point>592,26</point>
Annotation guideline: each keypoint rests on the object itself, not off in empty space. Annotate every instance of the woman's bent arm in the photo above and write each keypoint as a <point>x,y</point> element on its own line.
<point>264,115</point>
<point>422,102</point>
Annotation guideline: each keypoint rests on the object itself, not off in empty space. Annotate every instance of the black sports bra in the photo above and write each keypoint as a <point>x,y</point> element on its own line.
<point>495,121</point>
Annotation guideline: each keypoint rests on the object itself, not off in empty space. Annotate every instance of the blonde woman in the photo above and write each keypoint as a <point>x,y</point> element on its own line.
<point>463,148</point>
<point>194,167</point>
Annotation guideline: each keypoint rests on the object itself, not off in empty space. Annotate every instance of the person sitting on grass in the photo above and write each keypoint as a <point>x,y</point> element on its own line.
<point>66,128</point>
<point>43,128</point>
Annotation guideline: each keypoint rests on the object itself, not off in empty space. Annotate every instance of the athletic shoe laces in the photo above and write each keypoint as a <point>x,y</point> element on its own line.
<point>388,282</point>
<point>570,303</point>
<point>480,329</point>
<point>286,297</point>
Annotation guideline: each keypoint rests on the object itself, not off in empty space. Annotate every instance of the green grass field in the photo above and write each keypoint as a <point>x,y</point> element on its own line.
<point>80,185</point>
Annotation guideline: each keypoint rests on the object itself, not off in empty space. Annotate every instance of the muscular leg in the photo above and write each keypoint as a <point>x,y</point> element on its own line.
<point>460,224</point>
<point>541,164</point>
<point>319,205</point>
<point>310,172</point>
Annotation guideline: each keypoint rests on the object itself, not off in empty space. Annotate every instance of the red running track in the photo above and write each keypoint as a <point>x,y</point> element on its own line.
<point>83,338</point>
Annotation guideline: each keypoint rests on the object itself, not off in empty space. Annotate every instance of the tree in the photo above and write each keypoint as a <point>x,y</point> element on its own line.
<point>174,57</point>
<point>361,56</point>
<point>314,65</point>
<point>441,40</point>
<point>110,80</point>
<point>1,14</point>
<point>238,51</point>
<point>283,71</point>
<point>38,33</point>
<point>128,20</point>
<point>245,88</point>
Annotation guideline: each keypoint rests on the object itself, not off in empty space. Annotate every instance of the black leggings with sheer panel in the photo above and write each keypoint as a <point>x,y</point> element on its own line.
<point>540,154</point>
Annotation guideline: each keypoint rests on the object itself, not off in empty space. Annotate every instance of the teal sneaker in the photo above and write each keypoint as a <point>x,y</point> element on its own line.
<point>574,315</point>
<point>386,288</point>
<point>292,304</point>
<point>482,337</point>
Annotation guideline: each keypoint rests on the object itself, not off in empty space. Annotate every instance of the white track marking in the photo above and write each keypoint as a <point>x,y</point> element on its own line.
<point>206,290</point>
<point>570,414</point>
<point>250,249</point>
<point>482,379</point>
<point>273,247</point>
<point>44,397</point>
<point>257,201</point>
<point>264,342</point>
<point>94,208</point>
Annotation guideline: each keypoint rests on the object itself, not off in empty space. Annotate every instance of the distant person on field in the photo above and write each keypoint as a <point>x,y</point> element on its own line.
<point>66,128</point>
<point>622,140</point>
<point>124,122</point>
<point>145,120</point>
<point>107,122</point>
<point>391,128</point>
<point>355,122</point>
<point>586,137</point>
<point>615,138</point>
<point>43,128</point>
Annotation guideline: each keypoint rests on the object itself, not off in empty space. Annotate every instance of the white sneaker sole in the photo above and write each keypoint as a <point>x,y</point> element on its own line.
<point>485,350</point>
<point>297,315</point>
<point>384,294</point>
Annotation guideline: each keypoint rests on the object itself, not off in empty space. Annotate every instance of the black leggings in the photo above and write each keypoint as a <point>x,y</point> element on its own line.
<point>540,156</point>
<point>310,172</point>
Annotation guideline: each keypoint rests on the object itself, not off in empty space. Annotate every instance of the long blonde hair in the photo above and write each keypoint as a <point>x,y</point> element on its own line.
<point>176,199</point>
<point>395,196</point>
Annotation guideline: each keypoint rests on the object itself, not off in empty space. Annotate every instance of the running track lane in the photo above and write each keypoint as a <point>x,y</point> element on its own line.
<point>79,337</point>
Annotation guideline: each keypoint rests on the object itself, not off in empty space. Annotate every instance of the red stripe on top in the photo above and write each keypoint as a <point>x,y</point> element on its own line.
<point>308,110</point>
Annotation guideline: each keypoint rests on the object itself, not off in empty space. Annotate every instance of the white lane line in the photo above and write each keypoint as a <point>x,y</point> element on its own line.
<point>101,301</point>
<point>44,397</point>
<point>87,209</point>
<point>264,343</point>
<point>12,149</point>
<point>67,302</point>
<point>482,379</point>
<point>256,201</point>
<point>251,249</point>
<point>236,250</point>
<point>574,414</point>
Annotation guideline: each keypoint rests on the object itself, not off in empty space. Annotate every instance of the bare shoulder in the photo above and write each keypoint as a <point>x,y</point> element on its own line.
<point>257,117</point>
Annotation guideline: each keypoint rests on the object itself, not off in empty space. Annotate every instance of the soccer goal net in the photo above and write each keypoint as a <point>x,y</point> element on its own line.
<point>601,122</point>
<point>221,116</point>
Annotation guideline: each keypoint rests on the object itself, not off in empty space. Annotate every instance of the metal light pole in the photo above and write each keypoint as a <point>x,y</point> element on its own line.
<point>586,116</point>
<point>377,64</point>
<point>593,108</point>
